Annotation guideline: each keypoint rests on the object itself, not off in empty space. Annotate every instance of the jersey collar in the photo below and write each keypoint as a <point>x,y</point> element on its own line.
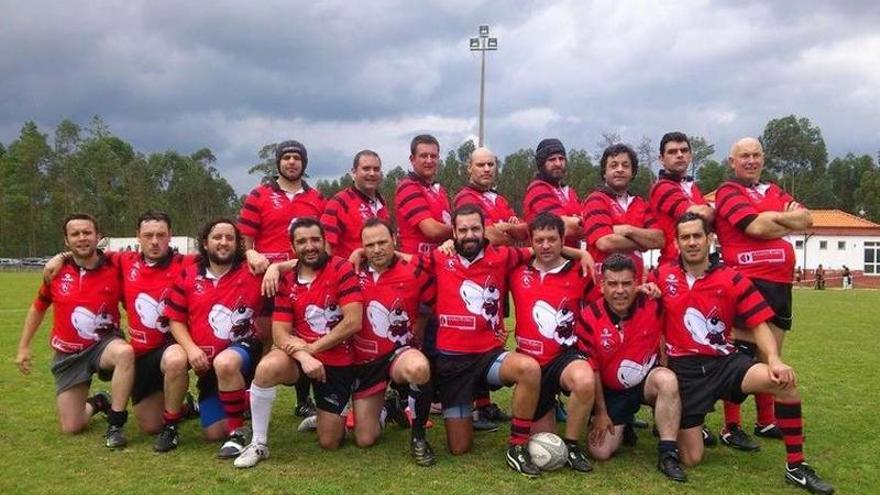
<point>366,198</point>
<point>665,175</point>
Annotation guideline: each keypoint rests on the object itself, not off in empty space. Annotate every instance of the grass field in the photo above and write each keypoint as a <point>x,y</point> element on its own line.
<point>834,349</point>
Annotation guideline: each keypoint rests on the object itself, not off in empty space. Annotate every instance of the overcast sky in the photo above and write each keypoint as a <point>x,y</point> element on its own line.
<point>343,76</point>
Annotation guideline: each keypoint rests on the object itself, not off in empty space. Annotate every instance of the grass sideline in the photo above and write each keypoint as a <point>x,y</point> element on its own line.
<point>834,349</point>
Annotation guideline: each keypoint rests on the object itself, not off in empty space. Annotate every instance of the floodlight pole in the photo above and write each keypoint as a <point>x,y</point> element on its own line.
<point>482,44</point>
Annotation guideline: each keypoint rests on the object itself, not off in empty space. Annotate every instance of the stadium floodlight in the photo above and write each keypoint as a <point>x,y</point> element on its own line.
<point>482,44</point>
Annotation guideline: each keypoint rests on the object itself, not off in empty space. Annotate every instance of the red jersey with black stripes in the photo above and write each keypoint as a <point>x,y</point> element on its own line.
<point>315,307</point>
<point>547,305</point>
<point>391,307</point>
<point>542,196</point>
<point>86,303</point>
<point>603,209</point>
<point>344,217</point>
<point>700,312</point>
<point>623,350</point>
<point>470,309</point>
<point>216,311</point>
<point>736,206</point>
<point>268,212</point>
<point>670,197</point>
<point>495,207</point>
<point>416,200</point>
<point>145,287</point>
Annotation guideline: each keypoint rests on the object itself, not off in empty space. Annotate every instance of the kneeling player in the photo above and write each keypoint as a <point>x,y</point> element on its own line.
<point>702,300</point>
<point>317,309</point>
<point>548,293</point>
<point>622,332</point>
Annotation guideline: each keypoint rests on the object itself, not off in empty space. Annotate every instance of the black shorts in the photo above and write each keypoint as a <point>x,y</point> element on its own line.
<point>207,383</point>
<point>702,380</point>
<point>778,296</point>
<point>268,307</point>
<point>333,394</point>
<point>148,377</point>
<point>622,405</point>
<point>373,377</point>
<point>551,374</point>
<point>458,377</point>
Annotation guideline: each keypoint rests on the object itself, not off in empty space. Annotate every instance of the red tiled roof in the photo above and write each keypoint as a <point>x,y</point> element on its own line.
<point>840,219</point>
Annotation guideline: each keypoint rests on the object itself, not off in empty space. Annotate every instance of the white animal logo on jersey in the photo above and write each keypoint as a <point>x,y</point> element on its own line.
<point>555,323</point>
<point>322,319</point>
<point>392,325</point>
<point>151,311</point>
<point>706,330</point>
<point>91,326</point>
<point>631,373</point>
<point>482,301</point>
<point>231,324</point>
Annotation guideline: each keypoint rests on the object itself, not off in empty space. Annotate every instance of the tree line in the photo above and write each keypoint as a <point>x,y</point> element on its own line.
<point>90,169</point>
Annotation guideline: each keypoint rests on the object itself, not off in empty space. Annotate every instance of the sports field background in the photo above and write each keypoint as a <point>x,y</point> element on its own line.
<point>835,349</point>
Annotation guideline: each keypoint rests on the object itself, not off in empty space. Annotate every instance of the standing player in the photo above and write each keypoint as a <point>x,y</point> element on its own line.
<point>702,300</point>
<point>318,308</point>
<point>347,211</point>
<point>548,293</point>
<point>548,193</point>
<point>211,308</point>
<point>622,332</point>
<point>265,218</point>
<point>752,222</point>
<point>616,221</point>
<point>85,333</point>
<point>422,205</point>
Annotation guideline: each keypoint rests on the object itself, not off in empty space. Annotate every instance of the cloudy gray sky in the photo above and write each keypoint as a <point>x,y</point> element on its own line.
<point>341,76</point>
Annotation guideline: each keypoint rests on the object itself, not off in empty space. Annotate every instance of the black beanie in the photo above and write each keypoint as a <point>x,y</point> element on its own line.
<point>291,147</point>
<point>547,147</point>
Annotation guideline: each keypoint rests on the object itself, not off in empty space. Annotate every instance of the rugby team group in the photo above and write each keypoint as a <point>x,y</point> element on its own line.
<point>371,319</point>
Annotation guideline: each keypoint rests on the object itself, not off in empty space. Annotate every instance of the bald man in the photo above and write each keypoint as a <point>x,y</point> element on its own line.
<point>753,221</point>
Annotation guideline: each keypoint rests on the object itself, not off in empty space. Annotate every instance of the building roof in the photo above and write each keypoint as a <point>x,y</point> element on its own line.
<point>839,219</point>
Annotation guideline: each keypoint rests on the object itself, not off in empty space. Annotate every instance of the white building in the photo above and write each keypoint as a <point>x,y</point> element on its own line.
<point>838,238</point>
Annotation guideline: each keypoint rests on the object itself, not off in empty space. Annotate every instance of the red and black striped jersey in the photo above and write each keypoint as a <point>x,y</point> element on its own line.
<point>268,212</point>
<point>603,209</point>
<point>562,200</point>
<point>495,207</point>
<point>416,200</point>
<point>391,307</point>
<point>700,312</point>
<point>217,311</point>
<point>670,197</point>
<point>86,303</point>
<point>737,205</point>
<point>344,217</point>
<point>315,307</point>
<point>623,350</point>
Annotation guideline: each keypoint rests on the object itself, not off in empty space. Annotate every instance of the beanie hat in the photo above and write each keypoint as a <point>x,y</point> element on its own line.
<point>546,148</point>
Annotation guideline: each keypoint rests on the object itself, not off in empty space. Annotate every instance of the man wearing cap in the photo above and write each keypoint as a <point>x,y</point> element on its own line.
<point>548,193</point>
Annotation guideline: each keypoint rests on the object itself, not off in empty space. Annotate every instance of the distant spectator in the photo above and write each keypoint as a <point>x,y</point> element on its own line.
<point>798,274</point>
<point>820,278</point>
<point>847,278</point>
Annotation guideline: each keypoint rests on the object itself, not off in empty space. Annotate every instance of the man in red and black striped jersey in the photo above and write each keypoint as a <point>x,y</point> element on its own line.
<point>422,206</point>
<point>85,333</point>
<point>549,292</point>
<point>346,212</point>
<point>548,193</point>
<point>318,308</point>
<point>622,334</point>
<point>753,221</point>
<point>702,301</point>
<point>212,309</point>
<point>675,192</point>
<point>616,221</point>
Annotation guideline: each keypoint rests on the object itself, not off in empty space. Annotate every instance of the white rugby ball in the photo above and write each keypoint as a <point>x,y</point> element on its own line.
<point>548,451</point>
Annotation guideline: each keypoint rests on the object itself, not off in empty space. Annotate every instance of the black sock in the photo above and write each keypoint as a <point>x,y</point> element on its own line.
<point>302,390</point>
<point>117,418</point>
<point>422,395</point>
<point>666,446</point>
<point>570,443</point>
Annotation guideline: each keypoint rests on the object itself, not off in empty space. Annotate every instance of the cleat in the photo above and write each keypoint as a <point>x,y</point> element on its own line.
<point>519,460</point>
<point>100,402</point>
<point>251,455</point>
<point>494,413</point>
<point>311,424</point>
<point>630,439</point>
<point>190,406</point>
<point>305,409</point>
<point>167,440</point>
<point>481,423</point>
<point>115,438</point>
<point>395,408</point>
<point>577,459</point>
<point>803,476</point>
<point>421,452</point>
<point>235,443</point>
<point>768,431</point>
<point>733,436</point>
<point>709,439</point>
<point>670,465</point>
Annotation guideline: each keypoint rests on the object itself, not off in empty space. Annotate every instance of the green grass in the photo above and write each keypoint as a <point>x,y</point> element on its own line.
<point>834,348</point>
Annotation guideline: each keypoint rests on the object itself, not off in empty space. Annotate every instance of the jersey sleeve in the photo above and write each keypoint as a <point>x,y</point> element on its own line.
<point>645,215</point>
<point>585,344</point>
<point>540,199</point>
<point>44,297</point>
<point>249,217</point>
<point>330,219</point>
<point>283,311</point>
<point>751,308</point>
<point>412,206</point>
<point>516,256</point>
<point>732,205</point>
<point>597,219</point>
<point>668,198</point>
<point>349,290</point>
<point>176,306</point>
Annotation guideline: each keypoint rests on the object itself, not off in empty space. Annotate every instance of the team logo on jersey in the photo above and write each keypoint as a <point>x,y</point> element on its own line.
<point>631,373</point>
<point>276,200</point>
<point>322,319</point>
<point>482,300</point>
<point>151,311</point>
<point>366,211</point>
<point>134,271</point>
<point>232,324</point>
<point>672,284</point>
<point>555,323</point>
<point>390,324</point>
<point>706,330</point>
<point>605,339</point>
<point>92,326</point>
<point>66,283</point>
<point>199,285</point>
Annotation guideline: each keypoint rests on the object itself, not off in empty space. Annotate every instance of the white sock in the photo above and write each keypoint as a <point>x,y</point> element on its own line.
<point>261,410</point>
